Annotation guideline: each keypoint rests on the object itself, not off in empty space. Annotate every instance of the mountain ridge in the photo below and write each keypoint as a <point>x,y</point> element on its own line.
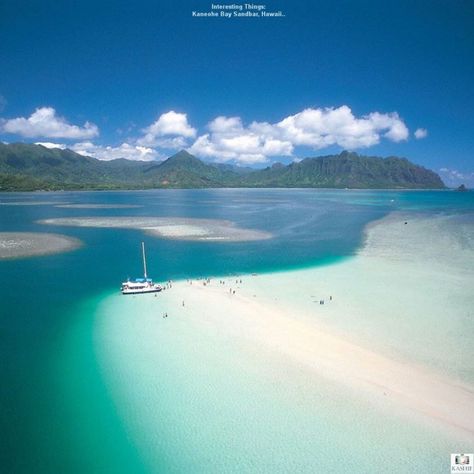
<point>28,167</point>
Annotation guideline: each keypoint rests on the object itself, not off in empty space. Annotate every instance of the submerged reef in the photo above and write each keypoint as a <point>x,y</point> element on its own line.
<point>177,228</point>
<point>28,244</point>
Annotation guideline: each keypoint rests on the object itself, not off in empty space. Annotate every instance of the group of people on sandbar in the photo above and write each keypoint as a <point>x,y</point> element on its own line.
<point>322,301</point>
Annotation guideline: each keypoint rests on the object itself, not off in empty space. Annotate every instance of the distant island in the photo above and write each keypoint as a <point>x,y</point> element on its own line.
<point>28,167</point>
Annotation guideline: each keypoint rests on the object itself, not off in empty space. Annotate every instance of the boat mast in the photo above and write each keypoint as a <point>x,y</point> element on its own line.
<point>144,261</point>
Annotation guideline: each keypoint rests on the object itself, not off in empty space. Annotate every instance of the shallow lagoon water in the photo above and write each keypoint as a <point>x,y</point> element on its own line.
<point>196,400</point>
<point>60,414</point>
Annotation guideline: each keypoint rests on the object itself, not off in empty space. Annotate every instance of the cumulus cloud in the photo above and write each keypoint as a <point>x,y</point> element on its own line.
<point>388,125</point>
<point>170,130</point>
<point>421,133</point>
<point>228,139</point>
<point>61,146</point>
<point>453,177</point>
<point>107,153</point>
<point>44,122</point>
<point>168,143</point>
<point>125,150</point>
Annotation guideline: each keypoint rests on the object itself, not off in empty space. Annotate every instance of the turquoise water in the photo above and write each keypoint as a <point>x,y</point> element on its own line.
<point>196,400</point>
<point>59,414</point>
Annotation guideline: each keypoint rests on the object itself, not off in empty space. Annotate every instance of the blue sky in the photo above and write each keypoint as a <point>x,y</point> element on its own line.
<point>144,79</point>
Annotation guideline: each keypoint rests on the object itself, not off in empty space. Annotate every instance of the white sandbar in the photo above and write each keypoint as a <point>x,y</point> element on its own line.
<point>392,331</point>
<point>170,227</point>
<point>28,244</point>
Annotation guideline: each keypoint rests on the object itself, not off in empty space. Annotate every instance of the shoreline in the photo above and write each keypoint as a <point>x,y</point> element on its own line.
<point>101,190</point>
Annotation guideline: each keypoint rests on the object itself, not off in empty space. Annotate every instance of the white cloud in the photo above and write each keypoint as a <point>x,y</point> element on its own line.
<point>61,146</point>
<point>228,139</point>
<point>106,153</point>
<point>421,133</point>
<point>169,143</point>
<point>453,178</point>
<point>320,128</point>
<point>125,150</point>
<point>170,131</point>
<point>44,122</point>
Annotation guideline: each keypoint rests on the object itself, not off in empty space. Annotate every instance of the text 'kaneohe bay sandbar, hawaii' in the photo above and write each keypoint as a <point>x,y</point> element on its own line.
<point>237,10</point>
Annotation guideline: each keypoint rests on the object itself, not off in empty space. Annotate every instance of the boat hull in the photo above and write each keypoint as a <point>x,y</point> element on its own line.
<point>138,292</point>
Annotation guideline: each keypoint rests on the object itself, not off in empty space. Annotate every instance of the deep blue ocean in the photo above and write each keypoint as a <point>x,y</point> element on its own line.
<point>45,429</point>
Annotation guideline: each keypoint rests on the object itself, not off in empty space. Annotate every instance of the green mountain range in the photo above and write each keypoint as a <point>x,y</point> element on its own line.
<point>27,167</point>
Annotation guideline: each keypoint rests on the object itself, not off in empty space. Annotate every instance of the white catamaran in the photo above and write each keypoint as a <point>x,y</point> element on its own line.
<point>140,285</point>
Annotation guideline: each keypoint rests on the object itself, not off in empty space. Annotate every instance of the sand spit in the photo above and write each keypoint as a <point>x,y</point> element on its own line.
<point>392,324</point>
<point>169,227</point>
<point>29,244</point>
<point>314,347</point>
<point>321,351</point>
